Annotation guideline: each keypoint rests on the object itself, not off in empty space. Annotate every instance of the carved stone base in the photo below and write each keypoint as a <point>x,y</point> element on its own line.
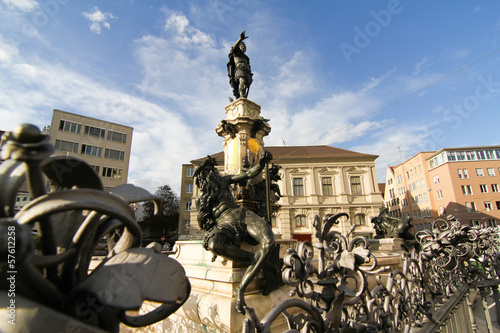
<point>390,244</point>
<point>211,305</point>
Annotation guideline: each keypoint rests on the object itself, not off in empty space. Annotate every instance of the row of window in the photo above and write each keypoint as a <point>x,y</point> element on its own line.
<point>298,185</point>
<point>421,213</point>
<point>464,174</point>
<point>89,150</point>
<point>327,186</point>
<point>68,126</point>
<point>467,189</point>
<point>416,200</point>
<point>464,155</point>
<point>409,174</point>
<point>108,172</point>
<point>491,222</point>
<point>471,206</point>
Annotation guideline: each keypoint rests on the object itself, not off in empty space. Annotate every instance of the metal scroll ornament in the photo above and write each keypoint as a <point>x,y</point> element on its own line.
<point>53,286</point>
<point>334,293</point>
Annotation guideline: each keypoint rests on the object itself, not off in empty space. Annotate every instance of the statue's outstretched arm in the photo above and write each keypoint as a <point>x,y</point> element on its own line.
<point>242,37</point>
<point>253,171</point>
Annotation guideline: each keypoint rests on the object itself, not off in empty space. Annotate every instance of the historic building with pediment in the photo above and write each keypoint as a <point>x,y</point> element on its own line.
<point>315,180</point>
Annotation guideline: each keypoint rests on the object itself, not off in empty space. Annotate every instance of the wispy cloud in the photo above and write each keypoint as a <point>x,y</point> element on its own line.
<point>22,5</point>
<point>420,65</point>
<point>98,20</point>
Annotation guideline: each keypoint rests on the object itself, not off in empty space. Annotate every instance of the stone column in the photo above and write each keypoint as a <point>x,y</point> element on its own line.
<point>243,131</point>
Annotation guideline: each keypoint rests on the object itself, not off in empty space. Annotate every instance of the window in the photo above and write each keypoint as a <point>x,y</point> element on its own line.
<point>460,174</point>
<point>436,179</point>
<point>428,212</point>
<point>94,131</point>
<point>326,185</point>
<point>498,204</point>
<point>189,188</point>
<point>473,206</point>
<point>484,188</point>
<point>475,222</point>
<point>479,172</point>
<point>189,172</point>
<point>356,185</point>
<point>96,168</point>
<point>467,189</point>
<point>113,154</point>
<point>300,221</point>
<point>117,136</point>
<point>68,126</point>
<point>493,222</point>
<point>439,194</point>
<point>273,222</point>
<point>471,156</point>
<point>425,197</point>
<point>188,205</point>
<point>298,187</point>
<point>468,206</point>
<point>488,206</point>
<point>494,188</point>
<point>66,146</point>
<point>360,219</point>
<point>400,179</point>
<point>91,150</point>
<point>491,172</point>
<point>466,174</point>
<point>111,172</point>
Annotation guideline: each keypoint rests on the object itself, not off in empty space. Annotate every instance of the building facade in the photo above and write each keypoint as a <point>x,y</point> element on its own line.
<point>104,145</point>
<point>463,182</point>
<point>315,180</point>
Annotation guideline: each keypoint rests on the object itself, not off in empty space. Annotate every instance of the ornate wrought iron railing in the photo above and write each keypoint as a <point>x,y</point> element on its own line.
<point>425,293</point>
<point>49,291</point>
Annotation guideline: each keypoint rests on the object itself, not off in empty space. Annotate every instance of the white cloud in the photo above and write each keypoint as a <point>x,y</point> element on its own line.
<point>7,51</point>
<point>396,143</point>
<point>157,152</point>
<point>98,20</point>
<point>332,120</point>
<point>22,5</point>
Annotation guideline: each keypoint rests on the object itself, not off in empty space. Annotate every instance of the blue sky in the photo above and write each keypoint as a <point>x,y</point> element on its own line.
<point>391,78</point>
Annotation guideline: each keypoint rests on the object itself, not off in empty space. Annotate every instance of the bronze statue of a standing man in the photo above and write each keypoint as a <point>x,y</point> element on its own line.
<point>238,68</point>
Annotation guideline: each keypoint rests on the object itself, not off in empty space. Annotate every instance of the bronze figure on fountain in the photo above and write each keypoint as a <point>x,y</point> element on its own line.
<point>238,68</point>
<point>227,224</point>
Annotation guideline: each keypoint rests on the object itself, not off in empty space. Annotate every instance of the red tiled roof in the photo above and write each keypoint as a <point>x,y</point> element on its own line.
<point>293,152</point>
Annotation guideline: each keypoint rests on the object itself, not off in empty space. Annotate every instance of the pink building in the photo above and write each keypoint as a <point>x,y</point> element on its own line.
<point>463,182</point>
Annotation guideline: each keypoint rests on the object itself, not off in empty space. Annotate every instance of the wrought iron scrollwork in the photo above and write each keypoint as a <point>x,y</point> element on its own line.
<point>72,218</point>
<point>335,286</point>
